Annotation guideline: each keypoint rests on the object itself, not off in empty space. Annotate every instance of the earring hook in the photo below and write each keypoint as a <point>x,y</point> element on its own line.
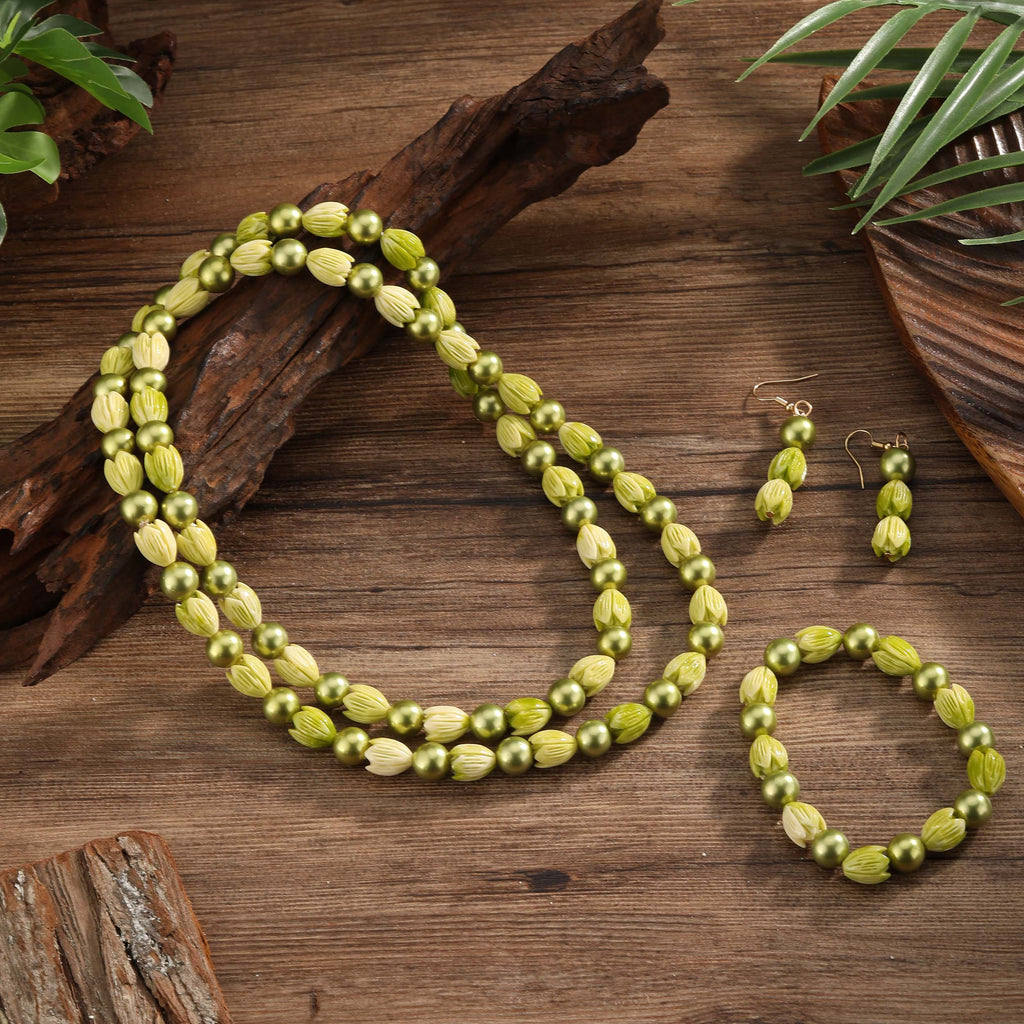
<point>801,408</point>
<point>902,441</point>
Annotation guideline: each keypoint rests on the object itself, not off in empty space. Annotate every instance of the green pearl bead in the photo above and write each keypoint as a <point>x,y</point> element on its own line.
<point>929,679</point>
<point>148,377</point>
<point>457,327</point>
<point>219,578</point>
<point>830,848</point>
<point>486,368</point>
<point>330,690</point>
<point>577,513</point>
<point>152,434</point>
<point>705,638</point>
<point>120,439</point>
<point>780,788</point>
<point>757,719</point>
<point>405,717</point>
<point>515,755</point>
<point>797,432</point>
<point>488,406</point>
<point>350,745</point>
<point>663,697</point>
<point>160,297</point>
<point>547,416</point>
<point>488,723</point>
<point>424,275</point>
<point>430,761</point>
<point>973,806</point>
<point>160,320</point>
<point>365,280</point>
<point>538,456</point>
<point>224,648</point>
<point>974,736</point>
<point>224,244</point>
<point>178,581</point>
<point>606,464</point>
<point>269,639</point>
<point>127,340</point>
<point>138,507</point>
<point>425,325</point>
<point>284,220</point>
<point>566,697</point>
<point>906,852</point>
<point>608,574</point>
<point>860,640</point>
<point>216,274</point>
<point>288,257</point>
<point>364,227</point>
<point>179,509</point>
<point>280,704</point>
<point>615,642</point>
<point>594,738</point>
<point>657,513</point>
<point>897,464</point>
<point>108,384</point>
<point>782,656</point>
<point>695,571</point>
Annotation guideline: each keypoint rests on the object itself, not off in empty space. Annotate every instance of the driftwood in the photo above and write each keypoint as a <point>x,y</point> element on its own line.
<point>105,933</point>
<point>243,366</point>
<point>945,298</point>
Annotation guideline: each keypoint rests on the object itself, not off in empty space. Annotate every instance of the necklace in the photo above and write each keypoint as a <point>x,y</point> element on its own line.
<point>169,532</point>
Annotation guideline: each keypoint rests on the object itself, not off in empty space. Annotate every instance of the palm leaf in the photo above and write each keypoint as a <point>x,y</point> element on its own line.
<point>903,58</point>
<point>1000,195</point>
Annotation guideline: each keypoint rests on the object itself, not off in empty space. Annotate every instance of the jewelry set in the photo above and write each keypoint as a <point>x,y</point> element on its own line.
<point>143,466</point>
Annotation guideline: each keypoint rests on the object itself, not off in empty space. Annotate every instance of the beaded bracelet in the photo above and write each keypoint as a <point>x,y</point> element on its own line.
<point>803,823</point>
<point>170,533</point>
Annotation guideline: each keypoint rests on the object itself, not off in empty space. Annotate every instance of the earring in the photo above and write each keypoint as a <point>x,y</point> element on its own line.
<point>788,469</point>
<point>891,538</point>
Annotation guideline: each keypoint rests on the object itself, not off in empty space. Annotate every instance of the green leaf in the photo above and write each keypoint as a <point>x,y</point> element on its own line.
<point>859,153</point>
<point>894,90</point>
<point>3,223</point>
<point>105,52</point>
<point>16,109</point>
<point>1014,302</point>
<point>11,68</point>
<point>132,84</point>
<point>1016,236</point>
<point>998,196</point>
<point>75,26</point>
<point>29,151</point>
<point>904,58</point>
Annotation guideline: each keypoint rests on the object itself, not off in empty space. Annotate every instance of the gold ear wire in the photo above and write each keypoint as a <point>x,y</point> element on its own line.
<point>801,408</point>
<point>902,441</point>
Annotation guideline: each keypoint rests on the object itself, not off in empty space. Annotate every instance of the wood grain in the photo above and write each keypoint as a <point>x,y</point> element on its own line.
<point>397,542</point>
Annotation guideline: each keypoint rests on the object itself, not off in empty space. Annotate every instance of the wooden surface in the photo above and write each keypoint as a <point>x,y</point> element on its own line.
<point>397,541</point>
<point>104,932</point>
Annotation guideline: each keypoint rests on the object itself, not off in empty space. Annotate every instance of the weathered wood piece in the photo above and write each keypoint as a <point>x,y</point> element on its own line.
<point>104,933</point>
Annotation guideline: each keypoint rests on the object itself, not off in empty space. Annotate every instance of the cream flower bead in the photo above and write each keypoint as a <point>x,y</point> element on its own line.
<point>326,220</point>
<point>514,434</point>
<point>197,544</point>
<point>560,485</point>
<point>164,467</point>
<point>252,259</point>
<point>396,304</point>
<point>441,303</point>
<point>109,412</point>
<point>633,491</point>
<point>151,350</point>
<point>242,607</point>
<point>297,666</point>
<point>519,392</point>
<point>767,756</point>
<point>117,359</point>
<point>594,544</point>
<point>456,349</point>
<point>329,266</point>
<point>149,405</point>
<point>388,757</point>
<point>250,676</point>
<point>471,761</point>
<point>612,609</point>
<point>444,723</point>
<point>191,265</point>
<point>198,615</point>
<point>593,673</point>
<point>312,727</point>
<point>760,686</point>
<point>123,473</point>
<point>803,822</point>
<point>186,298</point>
<point>156,542</point>
<point>365,704</point>
<point>552,747</point>
<point>708,605</point>
<point>679,543</point>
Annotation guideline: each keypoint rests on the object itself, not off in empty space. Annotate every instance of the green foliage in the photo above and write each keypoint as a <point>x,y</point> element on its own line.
<point>55,43</point>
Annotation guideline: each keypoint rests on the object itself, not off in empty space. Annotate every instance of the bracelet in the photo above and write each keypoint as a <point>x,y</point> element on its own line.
<point>804,824</point>
<point>169,532</point>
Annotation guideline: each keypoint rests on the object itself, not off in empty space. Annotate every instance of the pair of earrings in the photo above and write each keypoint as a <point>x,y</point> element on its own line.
<point>788,470</point>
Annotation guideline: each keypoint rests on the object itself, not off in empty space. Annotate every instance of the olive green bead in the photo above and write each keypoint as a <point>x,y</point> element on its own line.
<point>365,280</point>
<point>780,788</point>
<point>219,578</point>
<point>657,513</point>
<point>696,571</point>
<point>830,848</point>
<point>663,697</point>
<point>457,327</point>
<point>783,656</point>
<point>160,320</point>
<point>269,639</point>
<point>330,690</point>
<point>223,245</point>
<point>594,738</point>
<point>160,296</point>
<point>280,704</point>
<point>178,581</point>
<point>152,434</point>
<point>929,679</point>
<point>860,640</point>
<point>284,220</point>
<point>288,257</point>
<point>425,325</point>
<point>757,720</point>
<point>350,745</point>
<point>566,697</point>
<point>797,432</point>
<point>897,464</point>
<point>547,416</point>
<point>405,717</point>
<point>108,384</point>
<point>430,761</point>
<point>906,852</point>
<point>488,406</point>
<point>148,377</point>
<point>514,755</point>
<point>216,274</point>
<point>488,722</point>
<point>974,736</point>
<point>424,275</point>
<point>486,368</point>
<point>608,574</point>
<point>179,509</point>
<point>705,638</point>
<point>364,227</point>
<point>224,648</point>
<point>606,464</point>
<point>538,456</point>
<point>138,507</point>
<point>120,439</point>
<point>973,806</point>
<point>127,340</point>
<point>578,512</point>
<point>615,642</point>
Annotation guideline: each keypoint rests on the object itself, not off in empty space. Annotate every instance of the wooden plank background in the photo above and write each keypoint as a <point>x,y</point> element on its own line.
<point>395,540</point>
